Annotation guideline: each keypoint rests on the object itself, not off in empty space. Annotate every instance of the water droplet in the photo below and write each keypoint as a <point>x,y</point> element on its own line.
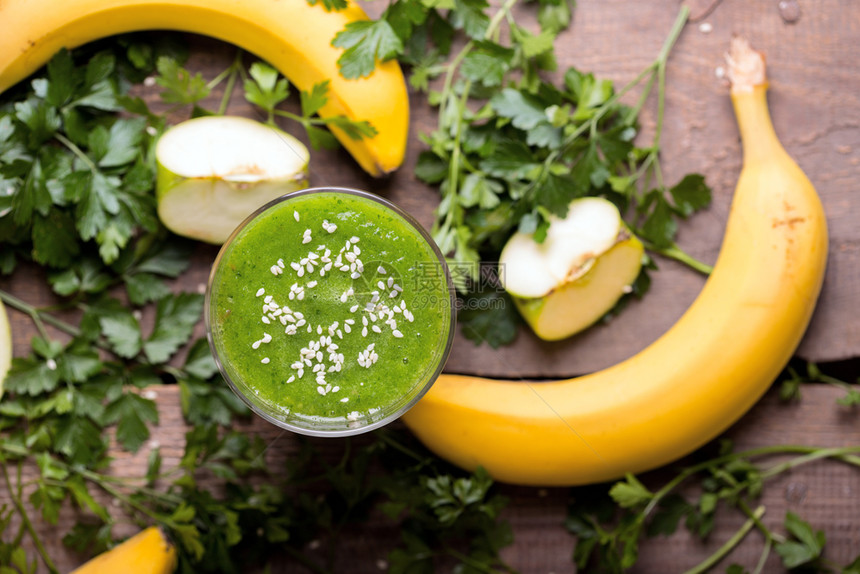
<point>405,360</point>
<point>796,492</point>
<point>789,10</point>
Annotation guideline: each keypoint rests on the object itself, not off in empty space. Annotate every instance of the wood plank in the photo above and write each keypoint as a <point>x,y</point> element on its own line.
<point>827,494</point>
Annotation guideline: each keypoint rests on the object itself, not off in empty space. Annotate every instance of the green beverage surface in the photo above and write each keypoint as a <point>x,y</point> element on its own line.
<point>329,306</point>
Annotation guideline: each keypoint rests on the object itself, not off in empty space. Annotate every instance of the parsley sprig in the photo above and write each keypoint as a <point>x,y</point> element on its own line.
<point>610,523</point>
<point>511,149</point>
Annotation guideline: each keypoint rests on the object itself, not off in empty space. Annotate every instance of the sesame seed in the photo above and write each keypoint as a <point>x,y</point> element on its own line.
<point>381,285</point>
<point>345,400</point>
<point>381,270</point>
<point>319,329</point>
<point>331,228</point>
<point>353,309</point>
<point>301,296</point>
<point>355,275</point>
<point>265,320</point>
<point>260,292</point>
<point>347,328</point>
<point>356,250</point>
<point>291,330</point>
<point>364,332</point>
<point>276,270</point>
<point>265,360</point>
<point>307,239</point>
<point>256,345</point>
<point>354,239</point>
<point>281,263</point>
<point>340,334</point>
<point>321,390</point>
<point>291,379</point>
<point>296,215</point>
<point>397,333</point>
<point>312,284</point>
<point>301,272</point>
<point>266,338</point>
<point>376,329</point>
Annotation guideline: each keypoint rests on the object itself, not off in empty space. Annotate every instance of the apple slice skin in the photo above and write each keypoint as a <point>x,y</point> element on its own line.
<point>579,304</point>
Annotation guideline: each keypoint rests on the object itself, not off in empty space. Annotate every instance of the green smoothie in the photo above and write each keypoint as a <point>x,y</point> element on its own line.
<point>329,311</point>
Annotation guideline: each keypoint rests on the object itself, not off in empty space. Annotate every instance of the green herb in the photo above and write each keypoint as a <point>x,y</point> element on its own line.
<point>267,89</point>
<point>609,523</point>
<point>790,388</point>
<point>511,150</point>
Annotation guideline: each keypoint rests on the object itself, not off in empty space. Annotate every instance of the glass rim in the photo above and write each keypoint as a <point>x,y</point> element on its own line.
<point>401,406</point>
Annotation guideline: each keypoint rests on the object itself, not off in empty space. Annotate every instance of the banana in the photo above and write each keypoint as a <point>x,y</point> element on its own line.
<point>695,380</point>
<point>290,34</point>
<point>147,552</point>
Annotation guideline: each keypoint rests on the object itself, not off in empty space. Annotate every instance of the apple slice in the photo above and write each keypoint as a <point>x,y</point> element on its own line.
<point>5,346</point>
<point>587,262</point>
<point>215,171</point>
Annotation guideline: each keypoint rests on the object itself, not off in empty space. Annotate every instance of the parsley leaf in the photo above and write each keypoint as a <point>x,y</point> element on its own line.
<point>264,88</point>
<point>120,328</point>
<point>175,318</point>
<point>659,227</point>
<point>364,42</point>
<point>131,412</point>
<point>690,194</point>
<point>180,86</point>
<point>489,317</point>
<point>330,5</point>
<point>487,63</point>
<point>807,545</point>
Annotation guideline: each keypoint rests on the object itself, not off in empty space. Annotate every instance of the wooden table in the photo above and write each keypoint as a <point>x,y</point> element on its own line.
<point>815,102</point>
